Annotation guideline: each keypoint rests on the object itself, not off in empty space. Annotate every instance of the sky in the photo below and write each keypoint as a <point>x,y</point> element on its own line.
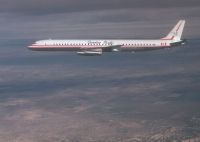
<point>34,19</point>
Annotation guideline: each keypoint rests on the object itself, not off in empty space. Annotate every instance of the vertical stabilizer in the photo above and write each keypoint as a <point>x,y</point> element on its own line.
<point>176,32</point>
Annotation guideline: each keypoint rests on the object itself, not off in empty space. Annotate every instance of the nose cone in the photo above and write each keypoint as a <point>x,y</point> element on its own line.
<point>31,47</point>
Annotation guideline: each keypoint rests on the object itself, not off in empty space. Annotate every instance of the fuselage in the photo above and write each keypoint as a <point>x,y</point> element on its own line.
<point>76,45</point>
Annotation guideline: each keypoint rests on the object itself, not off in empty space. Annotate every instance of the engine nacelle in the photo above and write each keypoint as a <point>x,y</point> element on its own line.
<point>181,42</point>
<point>90,53</point>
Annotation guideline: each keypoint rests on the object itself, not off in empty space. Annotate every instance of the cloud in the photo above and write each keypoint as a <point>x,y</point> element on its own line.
<point>15,102</point>
<point>64,97</point>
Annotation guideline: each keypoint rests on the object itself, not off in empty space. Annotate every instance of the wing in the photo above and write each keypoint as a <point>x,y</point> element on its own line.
<point>92,51</point>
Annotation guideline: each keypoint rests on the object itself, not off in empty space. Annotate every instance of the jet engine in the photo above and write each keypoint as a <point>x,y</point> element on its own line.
<point>92,52</point>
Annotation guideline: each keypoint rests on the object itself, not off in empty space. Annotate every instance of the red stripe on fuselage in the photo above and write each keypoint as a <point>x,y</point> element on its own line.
<point>56,46</point>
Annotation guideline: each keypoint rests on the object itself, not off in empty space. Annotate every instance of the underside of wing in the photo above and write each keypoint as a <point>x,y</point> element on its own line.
<point>92,51</point>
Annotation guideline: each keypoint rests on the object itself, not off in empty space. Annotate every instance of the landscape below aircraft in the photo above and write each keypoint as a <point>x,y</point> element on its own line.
<point>98,46</point>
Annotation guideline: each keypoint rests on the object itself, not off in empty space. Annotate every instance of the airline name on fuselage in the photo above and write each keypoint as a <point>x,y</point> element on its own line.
<point>104,42</point>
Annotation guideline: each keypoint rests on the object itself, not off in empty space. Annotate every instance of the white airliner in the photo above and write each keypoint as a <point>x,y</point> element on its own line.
<point>97,46</point>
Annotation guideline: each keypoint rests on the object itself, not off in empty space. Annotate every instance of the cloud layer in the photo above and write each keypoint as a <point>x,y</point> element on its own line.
<point>64,97</point>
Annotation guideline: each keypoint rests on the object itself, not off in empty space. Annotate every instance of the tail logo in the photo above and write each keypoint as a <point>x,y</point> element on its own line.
<point>176,32</point>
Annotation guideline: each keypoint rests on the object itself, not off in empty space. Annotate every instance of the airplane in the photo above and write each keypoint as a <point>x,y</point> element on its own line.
<point>91,47</point>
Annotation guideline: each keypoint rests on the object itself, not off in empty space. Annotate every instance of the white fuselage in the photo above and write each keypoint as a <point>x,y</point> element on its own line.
<point>76,45</point>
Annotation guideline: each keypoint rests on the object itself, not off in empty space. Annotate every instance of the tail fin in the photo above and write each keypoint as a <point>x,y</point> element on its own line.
<point>176,32</point>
